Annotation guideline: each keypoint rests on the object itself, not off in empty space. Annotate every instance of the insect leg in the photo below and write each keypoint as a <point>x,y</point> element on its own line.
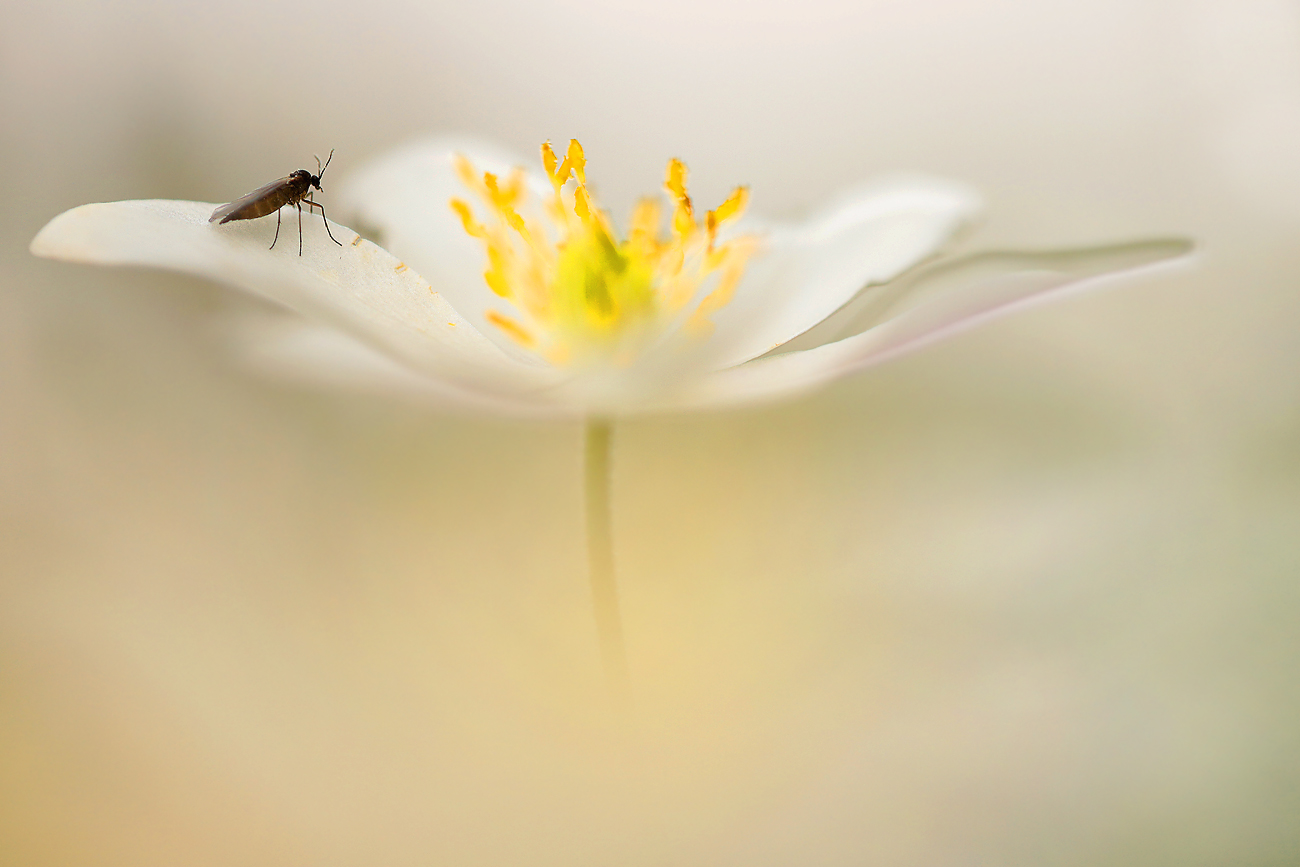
<point>277,231</point>
<point>300,228</point>
<point>312,204</point>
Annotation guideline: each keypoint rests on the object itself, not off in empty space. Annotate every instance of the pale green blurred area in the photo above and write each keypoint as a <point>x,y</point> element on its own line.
<point>1027,598</point>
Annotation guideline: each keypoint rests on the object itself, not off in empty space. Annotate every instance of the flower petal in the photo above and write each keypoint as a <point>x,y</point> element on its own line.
<point>296,350</point>
<point>869,237</point>
<point>403,200</point>
<point>358,288</point>
<point>936,302</point>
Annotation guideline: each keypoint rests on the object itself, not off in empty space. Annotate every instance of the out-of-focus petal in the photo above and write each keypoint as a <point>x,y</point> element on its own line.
<point>296,350</point>
<point>933,304</point>
<point>871,236</point>
<point>402,201</point>
<point>358,288</point>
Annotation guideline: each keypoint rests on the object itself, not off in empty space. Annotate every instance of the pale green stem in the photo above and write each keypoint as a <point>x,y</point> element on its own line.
<point>600,557</point>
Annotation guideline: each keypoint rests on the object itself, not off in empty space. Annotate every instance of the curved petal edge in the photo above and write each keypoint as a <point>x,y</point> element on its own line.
<point>936,303</point>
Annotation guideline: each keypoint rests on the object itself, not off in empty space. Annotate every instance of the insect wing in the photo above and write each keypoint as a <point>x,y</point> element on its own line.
<point>260,202</point>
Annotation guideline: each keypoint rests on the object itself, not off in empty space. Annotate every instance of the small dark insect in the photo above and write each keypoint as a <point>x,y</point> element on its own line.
<point>291,190</point>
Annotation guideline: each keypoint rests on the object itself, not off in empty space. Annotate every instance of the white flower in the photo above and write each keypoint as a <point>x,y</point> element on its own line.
<point>544,308</point>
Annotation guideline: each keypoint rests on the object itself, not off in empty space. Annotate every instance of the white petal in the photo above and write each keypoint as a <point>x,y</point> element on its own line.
<point>295,350</point>
<point>403,201</point>
<point>358,288</point>
<point>935,303</point>
<point>871,236</point>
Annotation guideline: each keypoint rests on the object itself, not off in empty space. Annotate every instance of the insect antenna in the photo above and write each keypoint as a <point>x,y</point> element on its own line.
<point>320,169</point>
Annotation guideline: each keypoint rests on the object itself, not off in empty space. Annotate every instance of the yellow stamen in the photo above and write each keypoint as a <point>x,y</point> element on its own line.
<point>472,226</point>
<point>467,173</point>
<point>732,208</point>
<point>516,331</point>
<point>549,160</point>
<point>684,214</point>
<point>588,296</point>
<point>574,161</point>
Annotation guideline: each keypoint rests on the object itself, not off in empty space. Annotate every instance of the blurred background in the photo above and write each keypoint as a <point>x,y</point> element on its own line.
<point>1026,598</point>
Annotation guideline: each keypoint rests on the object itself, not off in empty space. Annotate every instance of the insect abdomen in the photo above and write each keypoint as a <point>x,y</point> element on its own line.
<point>262,201</point>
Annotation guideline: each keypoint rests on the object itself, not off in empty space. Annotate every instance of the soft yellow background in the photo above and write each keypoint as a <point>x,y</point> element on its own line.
<point>1028,598</point>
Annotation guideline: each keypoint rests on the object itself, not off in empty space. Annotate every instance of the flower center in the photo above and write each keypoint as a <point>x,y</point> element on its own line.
<point>582,294</point>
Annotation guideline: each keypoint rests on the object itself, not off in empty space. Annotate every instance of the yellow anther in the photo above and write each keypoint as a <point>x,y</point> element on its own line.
<point>497,282</point>
<point>497,274</point>
<point>494,190</point>
<point>466,172</point>
<point>684,212</point>
<point>574,161</point>
<point>549,160</point>
<point>675,181</point>
<point>472,226</point>
<point>517,332</point>
<point>734,205</point>
<point>514,188</point>
<point>515,221</point>
<point>504,196</point>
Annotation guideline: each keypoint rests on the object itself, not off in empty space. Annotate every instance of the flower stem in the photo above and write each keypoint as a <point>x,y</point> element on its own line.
<point>600,557</point>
